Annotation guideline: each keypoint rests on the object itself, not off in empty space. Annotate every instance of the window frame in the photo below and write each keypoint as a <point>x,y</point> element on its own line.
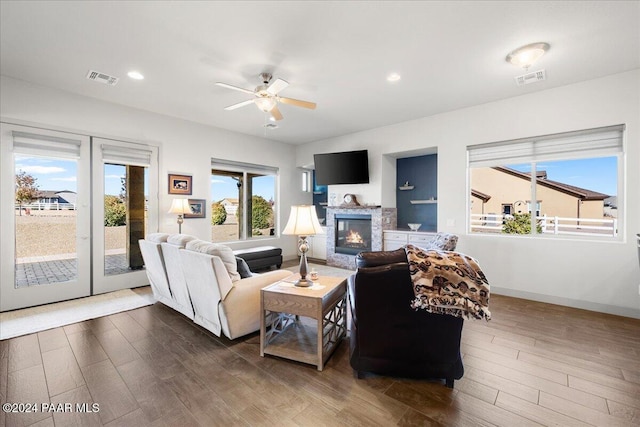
<point>249,171</point>
<point>503,158</point>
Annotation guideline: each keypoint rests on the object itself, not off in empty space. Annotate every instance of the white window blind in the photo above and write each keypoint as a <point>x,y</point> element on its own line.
<point>599,142</point>
<point>231,166</point>
<point>45,145</point>
<point>120,155</point>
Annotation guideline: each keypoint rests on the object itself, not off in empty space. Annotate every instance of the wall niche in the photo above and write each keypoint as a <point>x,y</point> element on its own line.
<point>420,203</point>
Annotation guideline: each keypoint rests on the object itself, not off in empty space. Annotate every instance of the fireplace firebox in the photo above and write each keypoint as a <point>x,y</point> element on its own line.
<point>352,233</point>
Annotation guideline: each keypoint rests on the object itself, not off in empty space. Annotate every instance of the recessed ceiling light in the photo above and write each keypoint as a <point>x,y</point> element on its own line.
<point>393,77</point>
<point>135,75</point>
<point>525,56</point>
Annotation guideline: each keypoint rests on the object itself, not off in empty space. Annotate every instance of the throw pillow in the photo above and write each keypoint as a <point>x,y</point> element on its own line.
<point>243,268</point>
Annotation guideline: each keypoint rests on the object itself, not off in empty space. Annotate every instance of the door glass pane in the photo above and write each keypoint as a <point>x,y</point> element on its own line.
<point>125,216</point>
<point>45,209</point>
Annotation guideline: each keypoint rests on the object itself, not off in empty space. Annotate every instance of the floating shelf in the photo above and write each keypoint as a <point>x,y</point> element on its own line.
<point>422,202</point>
<point>406,187</point>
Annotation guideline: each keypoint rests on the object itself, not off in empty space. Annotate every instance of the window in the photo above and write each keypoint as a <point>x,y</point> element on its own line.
<point>563,184</point>
<point>244,204</point>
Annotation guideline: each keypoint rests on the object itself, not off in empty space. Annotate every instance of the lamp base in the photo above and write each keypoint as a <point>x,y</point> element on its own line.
<point>303,283</point>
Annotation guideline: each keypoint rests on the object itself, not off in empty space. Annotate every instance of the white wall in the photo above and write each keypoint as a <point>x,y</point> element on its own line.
<point>185,147</point>
<point>602,276</point>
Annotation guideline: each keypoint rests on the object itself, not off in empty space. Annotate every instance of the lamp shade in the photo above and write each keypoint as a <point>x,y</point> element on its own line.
<point>303,221</point>
<point>180,207</point>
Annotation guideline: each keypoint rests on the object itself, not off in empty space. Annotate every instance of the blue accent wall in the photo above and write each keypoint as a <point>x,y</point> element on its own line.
<point>422,173</point>
<point>319,196</point>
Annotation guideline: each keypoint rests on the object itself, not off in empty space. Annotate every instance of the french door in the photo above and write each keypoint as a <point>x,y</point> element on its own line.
<point>124,210</point>
<point>63,235</point>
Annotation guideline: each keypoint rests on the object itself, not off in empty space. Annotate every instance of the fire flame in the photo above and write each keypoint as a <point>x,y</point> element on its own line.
<point>354,237</point>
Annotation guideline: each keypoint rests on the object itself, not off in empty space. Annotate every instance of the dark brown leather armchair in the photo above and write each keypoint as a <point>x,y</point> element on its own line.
<point>389,337</point>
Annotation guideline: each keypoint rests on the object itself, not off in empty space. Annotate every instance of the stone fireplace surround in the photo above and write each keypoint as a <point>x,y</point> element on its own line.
<point>381,219</point>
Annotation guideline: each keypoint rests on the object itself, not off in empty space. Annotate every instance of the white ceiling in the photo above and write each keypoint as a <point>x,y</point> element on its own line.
<point>450,55</point>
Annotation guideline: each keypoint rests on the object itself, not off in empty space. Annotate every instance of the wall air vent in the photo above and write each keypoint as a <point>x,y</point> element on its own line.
<point>532,77</point>
<point>97,76</point>
<point>271,126</point>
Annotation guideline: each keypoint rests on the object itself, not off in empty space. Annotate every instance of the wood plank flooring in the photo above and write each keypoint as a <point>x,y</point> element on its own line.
<point>533,364</point>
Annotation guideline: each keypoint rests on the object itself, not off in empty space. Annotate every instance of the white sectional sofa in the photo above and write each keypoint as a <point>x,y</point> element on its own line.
<point>201,280</point>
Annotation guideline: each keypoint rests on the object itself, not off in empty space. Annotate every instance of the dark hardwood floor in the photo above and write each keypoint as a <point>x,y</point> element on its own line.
<point>533,364</point>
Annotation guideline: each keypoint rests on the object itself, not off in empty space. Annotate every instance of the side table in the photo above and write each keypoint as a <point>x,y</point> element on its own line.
<point>284,334</point>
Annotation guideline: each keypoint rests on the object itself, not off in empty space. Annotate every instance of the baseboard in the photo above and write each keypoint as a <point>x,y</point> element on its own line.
<point>568,302</point>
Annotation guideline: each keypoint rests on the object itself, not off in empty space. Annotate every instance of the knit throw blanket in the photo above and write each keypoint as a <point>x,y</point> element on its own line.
<point>448,283</point>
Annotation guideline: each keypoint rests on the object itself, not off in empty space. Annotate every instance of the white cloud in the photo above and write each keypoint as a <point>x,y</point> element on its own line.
<point>113,176</point>
<point>66,178</point>
<point>217,181</point>
<point>40,169</point>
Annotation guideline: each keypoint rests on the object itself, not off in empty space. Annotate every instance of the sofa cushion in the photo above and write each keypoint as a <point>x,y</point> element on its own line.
<point>180,239</point>
<point>157,237</point>
<point>222,251</point>
<point>243,268</point>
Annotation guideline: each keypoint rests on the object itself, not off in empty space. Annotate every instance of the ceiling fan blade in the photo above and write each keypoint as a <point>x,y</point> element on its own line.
<point>277,86</point>
<point>298,103</point>
<point>235,88</point>
<point>238,105</point>
<point>276,114</point>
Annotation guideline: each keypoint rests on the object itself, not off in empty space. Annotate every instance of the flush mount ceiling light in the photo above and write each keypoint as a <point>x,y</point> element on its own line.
<point>525,56</point>
<point>135,75</point>
<point>393,77</point>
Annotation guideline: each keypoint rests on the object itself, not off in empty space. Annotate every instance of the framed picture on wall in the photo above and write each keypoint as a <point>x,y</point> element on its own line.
<point>180,184</point>
<point>197,208</point>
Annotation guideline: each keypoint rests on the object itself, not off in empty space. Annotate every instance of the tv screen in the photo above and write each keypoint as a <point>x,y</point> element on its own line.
<point>350,167</point>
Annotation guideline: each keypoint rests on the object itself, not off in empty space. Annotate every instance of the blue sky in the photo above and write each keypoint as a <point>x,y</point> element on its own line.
<point>60,174</point>
<point>225,187</point>
<point>596,174</point>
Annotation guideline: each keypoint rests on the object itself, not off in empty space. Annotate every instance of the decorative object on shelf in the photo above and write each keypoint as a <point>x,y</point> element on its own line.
<point>180,184</point>
<point>196,208</point>
<point>350,200</point>
<point>406,186</point>
<point>423,202</point>
<point>414,227</point>
<point>303,222</point>
<point>179,207</point>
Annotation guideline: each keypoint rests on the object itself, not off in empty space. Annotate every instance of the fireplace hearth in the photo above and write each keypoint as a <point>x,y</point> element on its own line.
<point>352,233</point>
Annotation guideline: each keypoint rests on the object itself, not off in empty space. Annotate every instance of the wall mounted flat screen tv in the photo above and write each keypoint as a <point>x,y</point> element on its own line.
<point>350,167</point>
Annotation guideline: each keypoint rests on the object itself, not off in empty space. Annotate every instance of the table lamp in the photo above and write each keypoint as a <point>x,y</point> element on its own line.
<point>303,222</point>
<point>180,207</point>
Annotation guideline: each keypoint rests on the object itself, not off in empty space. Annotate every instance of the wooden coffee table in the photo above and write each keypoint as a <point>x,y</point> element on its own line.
<point>284,334</point>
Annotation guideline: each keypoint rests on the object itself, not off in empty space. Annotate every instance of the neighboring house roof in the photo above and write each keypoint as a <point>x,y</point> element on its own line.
<point>484,197</point>
<point>228,201</point>
<point>53,193</point>
<point>580,193</point>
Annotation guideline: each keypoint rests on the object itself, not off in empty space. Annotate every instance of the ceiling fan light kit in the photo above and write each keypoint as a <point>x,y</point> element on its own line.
<point>266,96</point>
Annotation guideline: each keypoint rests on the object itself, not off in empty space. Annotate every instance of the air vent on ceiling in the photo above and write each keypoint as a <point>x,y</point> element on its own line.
<point>532,77</point>
<point>97,76</point>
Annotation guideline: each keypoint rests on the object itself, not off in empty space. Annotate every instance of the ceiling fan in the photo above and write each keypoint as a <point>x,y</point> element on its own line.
<point>266,96</point>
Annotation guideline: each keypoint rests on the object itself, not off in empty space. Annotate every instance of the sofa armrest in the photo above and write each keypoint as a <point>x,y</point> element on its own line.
<point>240,311</point>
